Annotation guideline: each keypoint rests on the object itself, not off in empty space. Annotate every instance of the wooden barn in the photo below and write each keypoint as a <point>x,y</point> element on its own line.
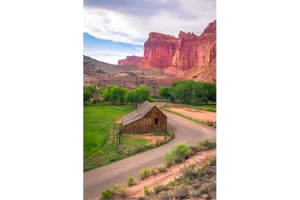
<point>145,119</point>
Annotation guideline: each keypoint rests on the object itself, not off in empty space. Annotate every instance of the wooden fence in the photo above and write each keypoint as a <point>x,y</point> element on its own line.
<point>123,152</point>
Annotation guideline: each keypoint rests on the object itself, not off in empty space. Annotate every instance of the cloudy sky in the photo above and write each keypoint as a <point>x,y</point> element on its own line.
<point>114,29</point>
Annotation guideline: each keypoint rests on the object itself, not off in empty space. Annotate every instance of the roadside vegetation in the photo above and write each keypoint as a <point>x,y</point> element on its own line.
<point>193,181</point>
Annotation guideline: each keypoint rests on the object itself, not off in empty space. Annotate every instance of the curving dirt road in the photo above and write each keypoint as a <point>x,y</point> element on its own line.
<point>99,179</point>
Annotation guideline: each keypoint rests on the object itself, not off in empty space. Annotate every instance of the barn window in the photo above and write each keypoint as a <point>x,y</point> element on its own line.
<point>156,121</point>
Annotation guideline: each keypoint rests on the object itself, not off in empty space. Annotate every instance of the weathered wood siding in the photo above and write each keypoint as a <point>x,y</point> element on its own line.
<point>147,123</point>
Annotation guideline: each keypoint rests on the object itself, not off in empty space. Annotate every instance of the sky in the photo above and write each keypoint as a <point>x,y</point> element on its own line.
<point>114,29</point>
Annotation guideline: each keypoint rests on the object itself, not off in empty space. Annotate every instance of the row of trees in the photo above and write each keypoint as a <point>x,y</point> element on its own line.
<point>189,92</point>
<point>119,94</point>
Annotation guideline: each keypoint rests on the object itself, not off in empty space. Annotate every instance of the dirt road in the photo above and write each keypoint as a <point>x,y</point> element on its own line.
<point>99,179</point>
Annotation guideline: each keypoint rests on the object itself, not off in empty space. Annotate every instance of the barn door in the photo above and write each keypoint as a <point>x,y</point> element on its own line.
<point>156,122</point>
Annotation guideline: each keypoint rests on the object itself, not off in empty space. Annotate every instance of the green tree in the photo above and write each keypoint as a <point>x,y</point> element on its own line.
<point>138,95</point>
<point>131,96</point>
<point>87,95</point>
<point>114,93</point>
<point>107,93</point>
<point>164,92</point>
<point>143,93</point>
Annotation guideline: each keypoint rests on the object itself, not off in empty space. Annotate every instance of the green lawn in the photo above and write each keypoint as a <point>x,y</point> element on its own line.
<point>98,119</point>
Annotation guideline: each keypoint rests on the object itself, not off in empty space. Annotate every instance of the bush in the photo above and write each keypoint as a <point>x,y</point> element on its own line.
<point>146,191</point>
<point>189,171</point>
<point>181,192</point>
<point>107,194</point>
<point>169,159</point>
<point>180,152</point>
<point>208,144</point>
<point>201,171</point>
<point>195,193</point>
<point>158,188</point>
<point>188,180</point>
<point>173,183</point>
<point>130,181</point>
<point>207,188</point>
<point>161,168</point>
<point>154,171</point>
<point>144,173</point>
<point>119,190</point>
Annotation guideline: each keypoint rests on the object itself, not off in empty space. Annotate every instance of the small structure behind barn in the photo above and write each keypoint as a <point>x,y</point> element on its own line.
<point>145,119</point>
<point>94,98</point>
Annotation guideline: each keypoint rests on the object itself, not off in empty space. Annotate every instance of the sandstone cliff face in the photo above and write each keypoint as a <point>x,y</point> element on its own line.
<point>200,54</point>
<point>193,55</point>
<point>131,60</point>
<point>159,49</point>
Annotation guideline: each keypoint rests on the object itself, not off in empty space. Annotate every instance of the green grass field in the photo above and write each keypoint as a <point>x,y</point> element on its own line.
<point>98,120</point>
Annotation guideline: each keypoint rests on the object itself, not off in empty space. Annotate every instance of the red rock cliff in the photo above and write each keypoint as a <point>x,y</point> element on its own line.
<point>195,55</point>
<point>159,49</point>
<point>198,56</point>
<point>131,60</point>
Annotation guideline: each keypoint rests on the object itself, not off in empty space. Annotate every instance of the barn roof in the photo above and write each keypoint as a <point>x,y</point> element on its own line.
<point>139,113</point>
<point>95,96</point>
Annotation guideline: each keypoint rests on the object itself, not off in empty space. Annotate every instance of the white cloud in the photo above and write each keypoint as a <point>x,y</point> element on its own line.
<point>133,29</point>
<point>111,57</point>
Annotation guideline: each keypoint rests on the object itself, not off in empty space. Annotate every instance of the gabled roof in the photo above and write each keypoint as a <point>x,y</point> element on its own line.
<point>139,113</point>
<point>95,96</point>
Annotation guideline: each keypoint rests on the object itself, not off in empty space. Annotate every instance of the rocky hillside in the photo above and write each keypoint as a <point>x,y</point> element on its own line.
<point>189,56</point>
<point>130,77</point>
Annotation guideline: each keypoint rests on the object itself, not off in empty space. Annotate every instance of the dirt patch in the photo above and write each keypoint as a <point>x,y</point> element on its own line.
<point>153,138</point>
<point>119,121</point>
<point>196,114</point>
<point>199,160</point>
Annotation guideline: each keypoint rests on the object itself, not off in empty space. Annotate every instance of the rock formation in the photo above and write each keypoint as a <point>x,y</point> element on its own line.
<point>131,60</point>
<point>191,55</point>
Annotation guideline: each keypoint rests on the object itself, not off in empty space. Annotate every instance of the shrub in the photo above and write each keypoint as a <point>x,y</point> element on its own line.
<point>180,152</point>
<point>181,192</point>
<point>107,194</point>
<point>161,168</point>
<point>195,193</point>
<point>154,171</point>
<point>163,196</point>
<point>146,191</point>
<point>196,186</point>
<point>173,183</point>
<point>158,188</point>
<point>189,171</point>
<point>208,187</point>
<point>169,159</point>
<point>188,180</point>
<point>144,173</point>
<point>130,181</point>
<point>201,171</point>
<point>119,190</point>
<point>207,143</point>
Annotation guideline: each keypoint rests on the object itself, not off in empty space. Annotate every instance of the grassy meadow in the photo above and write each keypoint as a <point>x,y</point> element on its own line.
<point>98,121</point>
